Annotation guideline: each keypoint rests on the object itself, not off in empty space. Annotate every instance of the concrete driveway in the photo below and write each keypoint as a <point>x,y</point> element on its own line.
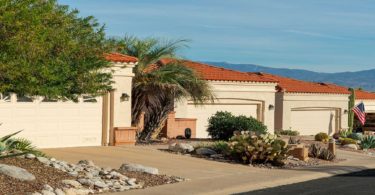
<point>208,177</point>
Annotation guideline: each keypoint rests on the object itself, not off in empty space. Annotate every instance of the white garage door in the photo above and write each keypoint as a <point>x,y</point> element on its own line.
<point>311,122</point>
<point>54,124</point>
<point>203,113</point>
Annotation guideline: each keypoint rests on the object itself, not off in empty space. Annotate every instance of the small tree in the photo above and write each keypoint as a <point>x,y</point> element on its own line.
<point>47,50</point>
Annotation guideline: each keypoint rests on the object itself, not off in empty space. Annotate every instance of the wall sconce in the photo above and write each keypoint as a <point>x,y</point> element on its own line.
<point>271,107</point>
<point>124,97</point>
<point>345,111</point>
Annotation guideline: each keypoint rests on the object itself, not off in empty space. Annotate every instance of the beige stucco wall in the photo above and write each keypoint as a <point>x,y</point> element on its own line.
<point>369,105</point>
<point>245,97</point>
<point>122,77</point>
<point>286,102</point>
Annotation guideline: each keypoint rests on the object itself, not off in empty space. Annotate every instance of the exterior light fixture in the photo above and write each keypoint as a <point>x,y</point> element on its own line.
<point>271,107</point>
<point>345,111</point>
<point>124,97</point>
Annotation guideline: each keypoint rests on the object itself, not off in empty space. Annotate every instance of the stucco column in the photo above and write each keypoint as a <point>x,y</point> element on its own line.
<point>122,77</point>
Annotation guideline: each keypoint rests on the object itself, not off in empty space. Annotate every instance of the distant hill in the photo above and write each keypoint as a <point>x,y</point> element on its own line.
<point>364,79</point>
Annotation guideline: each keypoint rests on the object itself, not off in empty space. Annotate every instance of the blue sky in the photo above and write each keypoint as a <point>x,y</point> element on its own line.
<point>319,35</point>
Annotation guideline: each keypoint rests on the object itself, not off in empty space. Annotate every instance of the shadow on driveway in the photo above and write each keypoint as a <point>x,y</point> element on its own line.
<point>357,183</point>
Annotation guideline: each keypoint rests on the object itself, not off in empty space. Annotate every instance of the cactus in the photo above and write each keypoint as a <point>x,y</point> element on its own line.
<point>350,110</point>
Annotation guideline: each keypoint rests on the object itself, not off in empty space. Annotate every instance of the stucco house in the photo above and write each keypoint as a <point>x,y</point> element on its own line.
<point>310,107</point>
<point>369,100</point>
<point>93,121</point>
<point>240,93</point>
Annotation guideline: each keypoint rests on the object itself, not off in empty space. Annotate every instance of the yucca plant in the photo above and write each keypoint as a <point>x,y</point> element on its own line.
<point>368,142</point>
<point>11,147</point>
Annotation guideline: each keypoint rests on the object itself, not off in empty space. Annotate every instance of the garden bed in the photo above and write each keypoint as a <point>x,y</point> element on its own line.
<point>81,178</point>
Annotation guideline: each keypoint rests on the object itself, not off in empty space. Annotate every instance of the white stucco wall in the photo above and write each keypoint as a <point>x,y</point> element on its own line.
<point>236,97</point>
<point>286,102</point>
<point>122,77</point>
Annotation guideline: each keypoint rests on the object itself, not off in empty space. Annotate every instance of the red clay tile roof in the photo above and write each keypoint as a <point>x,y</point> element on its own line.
<point>117,57</point>
<point>213,73</point>
<point>364,95</point>
<point>298,86</point>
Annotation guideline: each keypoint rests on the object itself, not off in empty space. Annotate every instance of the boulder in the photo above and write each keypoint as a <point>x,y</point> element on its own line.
<point>86,162</point>
<point>16,172</point>
<point>139,168</point>
<point>351,146</point>
<point>181,147</point>
<point>72,183</point>
<point>43,160</point>
<point>205,151</point>
<point>30,156</point>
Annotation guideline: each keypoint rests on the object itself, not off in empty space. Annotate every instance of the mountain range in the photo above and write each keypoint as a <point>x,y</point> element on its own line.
<point>361,79</point>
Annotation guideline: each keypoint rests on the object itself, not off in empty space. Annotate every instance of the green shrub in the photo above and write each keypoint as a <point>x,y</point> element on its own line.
<point>315,151</point>
<point>346,141</point>
<point>356,136</point>
<point>223,124</point>
<point>251,148</point>
<point>11,147</point>
<point>221,147</point>
<point>288,132</point>
<point>322,137</point>
<point>368,142</point>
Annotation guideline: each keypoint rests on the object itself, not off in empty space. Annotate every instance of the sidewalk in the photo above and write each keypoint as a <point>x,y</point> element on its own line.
<point>208,177</point>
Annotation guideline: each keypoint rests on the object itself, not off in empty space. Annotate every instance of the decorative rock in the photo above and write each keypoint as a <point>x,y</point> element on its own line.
<point>100,184</point>
<point>72,191</point>
<point>86,162</point>
<point>30,156</point>
<point>43,160</point>
<point>46,192</point>
<point>86,182</point>
<point>16,172</point>
<point>47,187</point>
<point>72,183</point>
<point>35,193</point>
<point>351,146</point>
<point>58,191</point>
<point>216,156</point>
<point>205,151</point>
<point>181,147</point>
<point>139,168</point>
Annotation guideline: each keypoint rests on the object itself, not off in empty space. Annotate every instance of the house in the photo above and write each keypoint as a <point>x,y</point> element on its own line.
<point>93,121</point>
<point>240,93</point>
<point>310,107</point>
<point>369,100</point>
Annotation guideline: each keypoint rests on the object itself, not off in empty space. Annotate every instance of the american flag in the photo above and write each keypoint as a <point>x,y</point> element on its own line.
<point>359,110</point>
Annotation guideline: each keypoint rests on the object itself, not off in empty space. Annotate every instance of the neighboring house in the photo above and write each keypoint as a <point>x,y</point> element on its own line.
<point>90,122</point>
<point>310,107</point>
<point>237,92</point>
<point>369,100</point>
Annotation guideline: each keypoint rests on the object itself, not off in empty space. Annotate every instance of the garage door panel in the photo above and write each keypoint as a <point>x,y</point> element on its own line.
<point>311,122</point>
<point>203,113</point>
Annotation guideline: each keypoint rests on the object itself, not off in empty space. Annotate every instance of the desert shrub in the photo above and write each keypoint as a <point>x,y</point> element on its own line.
<point>288,132</point>
<point>264,148</point>
<point>322,137</point>
<point>368,142</point>
<point>356,136</point>
<point>221,147</point>
<point>346,141</point>
<point>315,151</point>
<point>223,124</point>
<point>11,147</point>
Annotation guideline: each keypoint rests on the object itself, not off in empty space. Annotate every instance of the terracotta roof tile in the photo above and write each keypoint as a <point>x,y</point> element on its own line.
<point>364,95</point>
<point>298,86</point>
<point>117,57</point>
<point>213,73</point>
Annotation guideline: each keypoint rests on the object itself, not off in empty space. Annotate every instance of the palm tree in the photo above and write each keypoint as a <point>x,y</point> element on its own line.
<point>156,87</point>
